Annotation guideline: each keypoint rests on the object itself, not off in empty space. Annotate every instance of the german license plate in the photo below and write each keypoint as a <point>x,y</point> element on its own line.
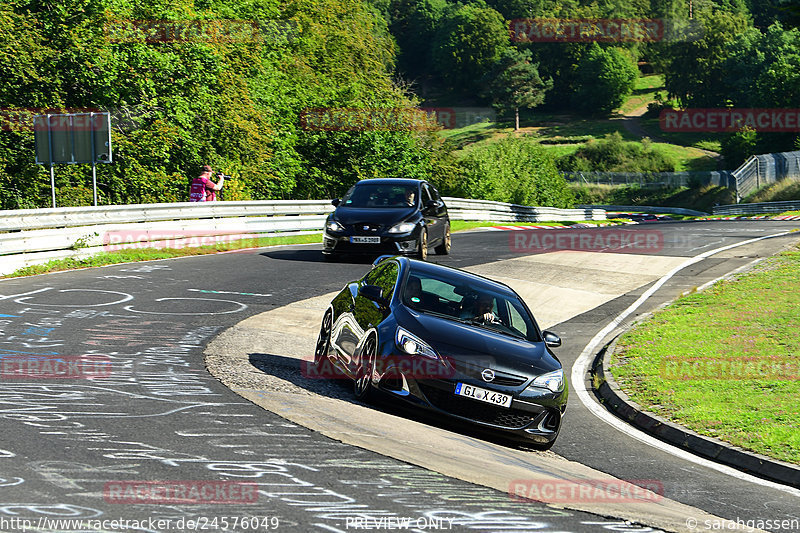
<point>483,395</point>
<point>365,240</point>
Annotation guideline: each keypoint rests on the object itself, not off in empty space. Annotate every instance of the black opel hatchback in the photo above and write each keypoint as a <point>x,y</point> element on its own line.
<point>396,216</point>
<point>449,342</point>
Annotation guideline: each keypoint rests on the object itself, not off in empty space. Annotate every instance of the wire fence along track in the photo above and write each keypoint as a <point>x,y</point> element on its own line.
<point>765,169</point>
<point>33,236</point>
<point>757,209</point>
<point>723,178</point>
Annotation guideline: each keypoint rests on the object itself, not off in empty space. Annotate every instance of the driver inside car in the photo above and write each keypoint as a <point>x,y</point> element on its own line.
<point>481,310</point>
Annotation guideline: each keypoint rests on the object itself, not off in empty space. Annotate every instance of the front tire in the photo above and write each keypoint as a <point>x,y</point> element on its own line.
<point>444,248</point>
<point>323,340</point>
<point>362,389</point>
<point>422,251</point>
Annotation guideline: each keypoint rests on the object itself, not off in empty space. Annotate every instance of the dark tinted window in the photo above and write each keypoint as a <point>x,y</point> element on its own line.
<point>434,192</point>
<point>385,277</point>
<point>381,195</point>
<point>426,194</point>
<point>461,298</point>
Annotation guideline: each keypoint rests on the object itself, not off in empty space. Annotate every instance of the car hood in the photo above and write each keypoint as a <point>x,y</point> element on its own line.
<point>472,345</point>
<point>385,216</point>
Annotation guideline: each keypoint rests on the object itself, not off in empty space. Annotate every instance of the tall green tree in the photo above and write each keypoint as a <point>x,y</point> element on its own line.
<point>693,70</point>
<point>468,43</point>
<point>515,83</point>
<point>604,77</point>
<point>414,24</point>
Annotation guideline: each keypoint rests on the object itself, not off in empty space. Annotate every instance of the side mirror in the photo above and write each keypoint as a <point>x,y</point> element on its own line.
<point>335,202</point>
<point>551,339</point>
<point>381,259</point>
<point>374,293</point>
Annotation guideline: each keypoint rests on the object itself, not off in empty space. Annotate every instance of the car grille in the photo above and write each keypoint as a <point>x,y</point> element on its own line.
<point>500,378</point>
<point>474,410</point>
<point>361,229</point>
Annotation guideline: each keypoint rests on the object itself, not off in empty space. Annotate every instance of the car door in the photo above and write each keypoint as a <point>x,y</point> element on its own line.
<point>369,314</point>
<point>435,214</point>
<point>432,221</point>
<point>345,331</point>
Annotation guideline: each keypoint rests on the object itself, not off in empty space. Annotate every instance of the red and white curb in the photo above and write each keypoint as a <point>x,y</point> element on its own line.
<point>522,228</point>
<point>759,217</point>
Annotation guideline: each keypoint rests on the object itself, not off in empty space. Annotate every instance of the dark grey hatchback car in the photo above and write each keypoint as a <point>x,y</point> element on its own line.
<point>395,216</point>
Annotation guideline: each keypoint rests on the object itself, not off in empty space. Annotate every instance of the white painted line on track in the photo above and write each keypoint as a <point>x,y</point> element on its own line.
<point>581,366</point>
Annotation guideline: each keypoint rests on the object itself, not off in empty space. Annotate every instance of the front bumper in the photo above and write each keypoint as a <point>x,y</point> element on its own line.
<point>403,243</point>
<point>534,415</point>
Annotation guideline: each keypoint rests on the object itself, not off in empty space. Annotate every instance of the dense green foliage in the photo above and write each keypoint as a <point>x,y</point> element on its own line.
<point>604,78</point>
<point>233,102</point>
<point>231,87</point>
<point>514,170</point>
<point>612,154</point>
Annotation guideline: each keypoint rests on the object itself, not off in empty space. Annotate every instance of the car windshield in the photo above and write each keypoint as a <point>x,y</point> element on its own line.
<point>371,195</point>
<point>469,301</point>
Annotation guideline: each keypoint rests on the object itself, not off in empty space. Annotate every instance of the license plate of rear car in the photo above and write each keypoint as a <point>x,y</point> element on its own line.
<point>483,395</point>
<point>365,240</point>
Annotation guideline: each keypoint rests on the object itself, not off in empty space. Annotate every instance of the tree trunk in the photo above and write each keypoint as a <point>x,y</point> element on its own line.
<point>516,118</point>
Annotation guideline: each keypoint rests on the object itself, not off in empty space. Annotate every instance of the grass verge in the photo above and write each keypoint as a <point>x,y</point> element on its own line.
<point>725,362</point>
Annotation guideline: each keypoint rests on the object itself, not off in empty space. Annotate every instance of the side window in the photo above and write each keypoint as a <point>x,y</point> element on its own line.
<point>426,194</point>
<point>385,277</point>
<point>517,322</point>
<point>434,192</point>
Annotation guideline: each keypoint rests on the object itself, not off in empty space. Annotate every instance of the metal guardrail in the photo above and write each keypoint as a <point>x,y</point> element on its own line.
<point>756,209</point>
<point>647,209</point>
<point>466,209</point>
<point>765,169</point>
<point>722,178</point>
<point>33,236</point>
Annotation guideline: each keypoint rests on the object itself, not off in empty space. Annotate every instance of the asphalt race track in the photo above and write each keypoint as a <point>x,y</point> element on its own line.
<point>86,449</point>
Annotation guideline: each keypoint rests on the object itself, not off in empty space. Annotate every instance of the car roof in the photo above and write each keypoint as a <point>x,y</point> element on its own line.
<point>424,267</point>
<point>391,181</point>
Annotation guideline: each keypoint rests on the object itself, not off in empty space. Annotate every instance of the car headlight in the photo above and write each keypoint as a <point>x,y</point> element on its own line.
<point>553,381</point>
<point>413,345</point>
<point>402,227</point>
<point>332,225</point>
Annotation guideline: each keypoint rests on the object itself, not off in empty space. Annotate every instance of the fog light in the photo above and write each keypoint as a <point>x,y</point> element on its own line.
<point>407,246</point>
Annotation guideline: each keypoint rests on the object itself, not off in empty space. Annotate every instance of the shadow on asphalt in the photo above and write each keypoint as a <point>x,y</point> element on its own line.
<point>315,256</point>
<point>302,375</point>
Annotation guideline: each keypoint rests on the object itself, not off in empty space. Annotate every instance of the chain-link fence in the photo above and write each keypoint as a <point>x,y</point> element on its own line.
<point>764,169</point>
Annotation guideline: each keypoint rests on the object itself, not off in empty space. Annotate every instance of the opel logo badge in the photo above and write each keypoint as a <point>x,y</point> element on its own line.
<point>488,375</point>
